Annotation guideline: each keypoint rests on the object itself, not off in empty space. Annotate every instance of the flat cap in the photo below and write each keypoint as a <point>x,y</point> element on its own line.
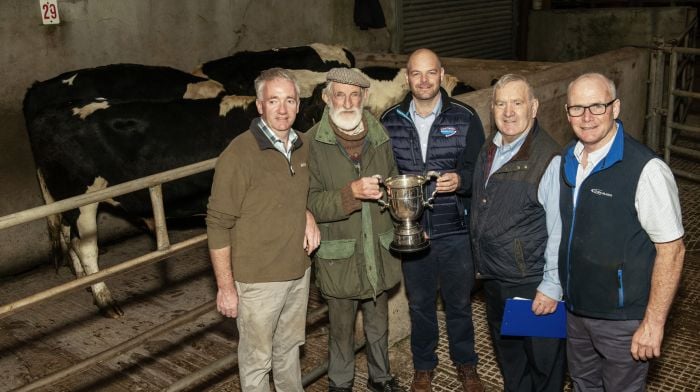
<point>347,76</point>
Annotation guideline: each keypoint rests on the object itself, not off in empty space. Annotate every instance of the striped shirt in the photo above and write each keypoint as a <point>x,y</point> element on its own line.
<point>277,142</point>
<point>423,124</point>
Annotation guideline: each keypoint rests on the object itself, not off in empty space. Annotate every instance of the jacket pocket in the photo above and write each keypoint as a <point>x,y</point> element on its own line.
<point>336,269</point>
<point>391,264</point>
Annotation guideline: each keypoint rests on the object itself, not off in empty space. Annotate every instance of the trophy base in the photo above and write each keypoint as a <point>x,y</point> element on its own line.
<point>409,242</point>
<point>409,248</point>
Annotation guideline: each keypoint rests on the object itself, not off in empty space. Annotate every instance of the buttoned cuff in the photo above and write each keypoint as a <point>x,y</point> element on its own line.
<point>551,290</point>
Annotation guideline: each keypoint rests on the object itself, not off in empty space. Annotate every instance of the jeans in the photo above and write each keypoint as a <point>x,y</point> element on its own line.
<point>446,266</point>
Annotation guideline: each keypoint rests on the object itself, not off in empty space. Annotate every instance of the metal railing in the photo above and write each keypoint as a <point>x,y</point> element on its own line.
<point>679,101</point>
<point>659,68</point>
<point>165,250</point>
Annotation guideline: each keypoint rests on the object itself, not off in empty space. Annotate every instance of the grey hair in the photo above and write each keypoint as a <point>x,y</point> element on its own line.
<point>328,92</point>
<point>611,85</point>
<point>271,74</point>
<point>509,78</point>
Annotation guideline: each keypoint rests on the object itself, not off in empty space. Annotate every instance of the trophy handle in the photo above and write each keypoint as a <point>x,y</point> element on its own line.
<point>431,174</point>
<point>383,204</point>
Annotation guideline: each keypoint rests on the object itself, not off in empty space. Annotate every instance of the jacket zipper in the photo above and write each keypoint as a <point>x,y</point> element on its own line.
<point>620,288</point>
<point>568,257</point>
<point>289,161</point>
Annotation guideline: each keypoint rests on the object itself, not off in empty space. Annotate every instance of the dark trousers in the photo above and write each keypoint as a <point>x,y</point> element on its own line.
<point>599,355</point>
<point>526,363</point>
<point>375,317</point>
<point>447,265</point>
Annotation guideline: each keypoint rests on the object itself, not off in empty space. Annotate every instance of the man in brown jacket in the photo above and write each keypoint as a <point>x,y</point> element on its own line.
<point>260,237</point>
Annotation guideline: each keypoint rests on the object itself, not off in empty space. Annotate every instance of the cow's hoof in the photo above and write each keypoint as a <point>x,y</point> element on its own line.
<point>113,311</point>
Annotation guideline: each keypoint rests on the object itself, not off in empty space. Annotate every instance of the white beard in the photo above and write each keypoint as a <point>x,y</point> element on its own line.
<point>346,120</point>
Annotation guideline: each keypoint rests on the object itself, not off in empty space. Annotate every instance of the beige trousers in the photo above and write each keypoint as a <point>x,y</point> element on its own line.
<point>271,326</point>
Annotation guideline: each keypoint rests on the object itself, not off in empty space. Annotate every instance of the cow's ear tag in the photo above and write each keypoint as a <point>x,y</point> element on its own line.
<point>49,12</point>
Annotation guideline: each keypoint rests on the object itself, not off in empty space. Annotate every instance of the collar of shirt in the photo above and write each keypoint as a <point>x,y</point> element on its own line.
<point>505,152</point>
<point>595,156</point>
<point>277,142</point>
<point>513,146</point>
<point>423,124</point>
<point>433,114</point>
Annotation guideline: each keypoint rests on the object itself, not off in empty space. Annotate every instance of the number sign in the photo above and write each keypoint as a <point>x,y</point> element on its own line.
<point>49,12</point>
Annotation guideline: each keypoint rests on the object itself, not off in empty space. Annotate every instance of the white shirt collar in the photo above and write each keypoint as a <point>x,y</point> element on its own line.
<point>595,156</point>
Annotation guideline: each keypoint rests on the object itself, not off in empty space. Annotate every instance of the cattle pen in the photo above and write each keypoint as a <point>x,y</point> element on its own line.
<point>164,250</point>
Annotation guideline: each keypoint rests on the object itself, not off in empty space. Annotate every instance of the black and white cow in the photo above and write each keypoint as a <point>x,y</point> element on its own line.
<point>388,86</point>
<point>118,83</point>
<point>238,71</point>
<point>123,141</point>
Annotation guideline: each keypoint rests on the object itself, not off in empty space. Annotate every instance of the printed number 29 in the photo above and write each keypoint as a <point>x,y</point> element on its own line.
<point>49,11</point>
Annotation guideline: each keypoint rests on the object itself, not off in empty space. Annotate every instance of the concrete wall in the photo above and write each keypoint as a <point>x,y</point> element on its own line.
<point>474,72</point>
<point>565,35</point>
<point>627,67</point>
<point>176,33</point>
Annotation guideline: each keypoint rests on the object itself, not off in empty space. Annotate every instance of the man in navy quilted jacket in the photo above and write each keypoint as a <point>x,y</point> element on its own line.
<point>431,131</point>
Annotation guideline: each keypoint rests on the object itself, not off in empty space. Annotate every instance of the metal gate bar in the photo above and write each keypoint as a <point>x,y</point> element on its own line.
<point>156,193</point>
<point>658,72</point>
<point>88,280</point>
<point>104,194</point>
<point>121,348</point>
<point>673,108</point>
<point>230,360</point>
<point>153,182</point>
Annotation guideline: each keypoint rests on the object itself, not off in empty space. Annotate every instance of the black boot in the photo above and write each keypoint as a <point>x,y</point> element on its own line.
<point>385,386</point>
<point>338,389</point>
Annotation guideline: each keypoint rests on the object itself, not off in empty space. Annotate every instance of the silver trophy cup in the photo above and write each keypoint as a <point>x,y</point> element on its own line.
<point>406,204</point>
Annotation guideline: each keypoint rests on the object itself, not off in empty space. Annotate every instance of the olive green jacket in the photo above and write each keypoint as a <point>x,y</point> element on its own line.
<point>353,260</point>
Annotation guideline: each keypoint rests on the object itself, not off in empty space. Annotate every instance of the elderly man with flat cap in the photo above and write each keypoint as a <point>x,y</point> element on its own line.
<point>349,153</point>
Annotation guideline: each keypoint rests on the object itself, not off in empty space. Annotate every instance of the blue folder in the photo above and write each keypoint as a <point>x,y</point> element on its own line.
<point>518,320</point>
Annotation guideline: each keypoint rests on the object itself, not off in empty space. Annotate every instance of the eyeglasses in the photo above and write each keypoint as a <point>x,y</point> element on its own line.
<point>595,109</point>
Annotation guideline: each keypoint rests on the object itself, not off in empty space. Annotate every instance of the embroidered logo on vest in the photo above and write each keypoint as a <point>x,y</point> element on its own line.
<point>600,192</point>
<point>448,131</point>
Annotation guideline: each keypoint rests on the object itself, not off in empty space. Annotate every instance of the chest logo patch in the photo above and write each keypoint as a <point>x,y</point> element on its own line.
<point>600,192</point>
<point>448,131</point>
